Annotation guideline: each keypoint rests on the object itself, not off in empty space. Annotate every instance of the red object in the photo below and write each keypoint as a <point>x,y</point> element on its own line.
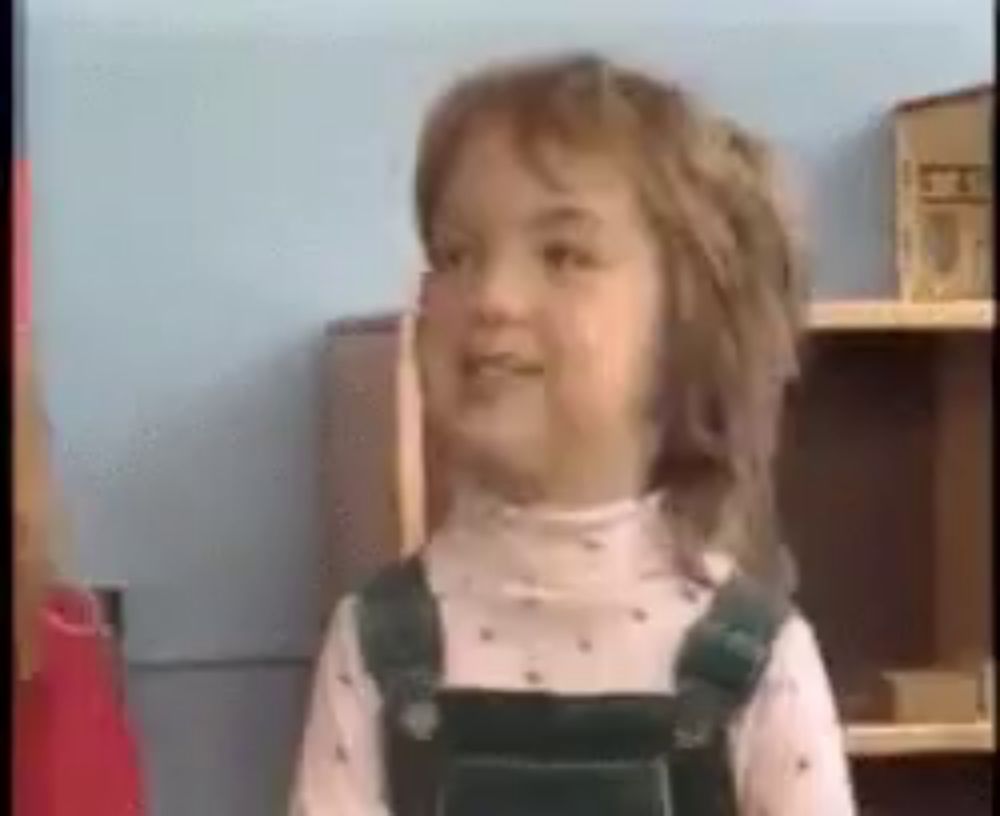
<point>21,234</point>
<point>74,753</point>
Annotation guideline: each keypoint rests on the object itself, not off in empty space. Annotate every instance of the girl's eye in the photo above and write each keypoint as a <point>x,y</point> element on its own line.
<point>453,257</point>
<point>562,256</point>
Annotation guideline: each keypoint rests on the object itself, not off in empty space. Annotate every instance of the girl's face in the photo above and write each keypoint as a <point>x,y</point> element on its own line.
<point>539,323</point>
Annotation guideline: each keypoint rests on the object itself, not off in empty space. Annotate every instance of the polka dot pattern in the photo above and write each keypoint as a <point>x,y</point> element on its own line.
<point>689,592</point>
<point>600,612</point>
<point>533,677</point>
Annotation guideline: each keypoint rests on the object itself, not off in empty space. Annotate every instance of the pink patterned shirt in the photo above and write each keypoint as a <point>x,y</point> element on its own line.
<point>575,603</point>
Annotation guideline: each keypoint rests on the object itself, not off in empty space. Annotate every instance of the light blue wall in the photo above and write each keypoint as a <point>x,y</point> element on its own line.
<point>217,180</point>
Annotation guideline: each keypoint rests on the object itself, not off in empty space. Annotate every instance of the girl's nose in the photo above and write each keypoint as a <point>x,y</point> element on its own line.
<point>501,292</point>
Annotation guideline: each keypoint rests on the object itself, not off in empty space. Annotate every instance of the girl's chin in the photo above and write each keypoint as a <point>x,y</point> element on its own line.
<point>509,462</point>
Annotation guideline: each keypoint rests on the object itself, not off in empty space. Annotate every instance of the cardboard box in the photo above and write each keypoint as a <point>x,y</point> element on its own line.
<point>944,195</point>
<point>934,696</point>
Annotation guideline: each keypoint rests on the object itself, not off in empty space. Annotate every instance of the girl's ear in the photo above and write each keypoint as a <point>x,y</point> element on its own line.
<point>421,302</point>
<point>423,290</point>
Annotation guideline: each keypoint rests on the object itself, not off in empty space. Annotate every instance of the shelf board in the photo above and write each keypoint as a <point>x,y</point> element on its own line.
<point>902,739</point>
<point>893,315</point>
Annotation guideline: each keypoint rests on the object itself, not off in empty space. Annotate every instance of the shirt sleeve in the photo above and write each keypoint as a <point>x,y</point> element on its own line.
<point>339,771</point>
<point>788,745</point>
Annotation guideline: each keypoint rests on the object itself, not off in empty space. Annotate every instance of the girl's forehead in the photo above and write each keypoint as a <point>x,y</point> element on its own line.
<point>493,170</point>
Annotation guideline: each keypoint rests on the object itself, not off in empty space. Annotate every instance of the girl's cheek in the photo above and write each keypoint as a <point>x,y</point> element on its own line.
<point>444,312</point>
<point>587,340</point>
<point>606,361</point>
<point>577,358</point>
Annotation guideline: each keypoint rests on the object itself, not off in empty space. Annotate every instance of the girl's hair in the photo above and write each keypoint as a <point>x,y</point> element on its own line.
<point>732,268</point>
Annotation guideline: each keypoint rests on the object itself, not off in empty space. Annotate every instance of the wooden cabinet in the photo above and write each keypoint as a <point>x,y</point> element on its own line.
<point>885,490</point>
<point>362,442</point>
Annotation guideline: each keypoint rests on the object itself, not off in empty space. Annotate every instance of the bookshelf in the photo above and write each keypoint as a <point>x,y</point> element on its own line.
<point>900,740</point>
<point>894,316</point>
<point>885,489</point>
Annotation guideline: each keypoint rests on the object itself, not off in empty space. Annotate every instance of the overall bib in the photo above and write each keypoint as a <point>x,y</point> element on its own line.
<point>463,752</point>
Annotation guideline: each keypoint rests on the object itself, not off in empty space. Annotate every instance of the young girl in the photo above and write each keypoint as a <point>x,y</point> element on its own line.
<point>74,754</point>
<point>599,626</point>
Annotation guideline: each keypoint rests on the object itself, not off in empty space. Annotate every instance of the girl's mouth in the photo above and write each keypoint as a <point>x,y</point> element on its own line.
<point>498,368</point>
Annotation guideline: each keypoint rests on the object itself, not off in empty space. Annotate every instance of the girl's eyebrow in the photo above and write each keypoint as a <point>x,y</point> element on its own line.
<point>563,215</point>
<point>449,224</point>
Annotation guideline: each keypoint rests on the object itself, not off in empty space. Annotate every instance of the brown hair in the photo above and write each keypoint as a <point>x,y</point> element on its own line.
<point>732,268</point>
<point>36,517</point>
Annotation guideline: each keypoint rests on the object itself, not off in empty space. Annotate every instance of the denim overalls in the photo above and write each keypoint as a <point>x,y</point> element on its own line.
<point>460,752</point>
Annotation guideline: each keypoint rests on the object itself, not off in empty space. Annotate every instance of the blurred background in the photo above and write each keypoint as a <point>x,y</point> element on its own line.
<point>216,180</point>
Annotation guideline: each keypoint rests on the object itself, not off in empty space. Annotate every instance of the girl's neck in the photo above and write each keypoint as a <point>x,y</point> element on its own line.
<point>593,549</point>
<point>579,497</point>
<point>572,482</point>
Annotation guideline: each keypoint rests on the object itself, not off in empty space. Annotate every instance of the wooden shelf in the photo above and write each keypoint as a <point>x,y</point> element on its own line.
<point>897,739</point>
<point>892,315</point>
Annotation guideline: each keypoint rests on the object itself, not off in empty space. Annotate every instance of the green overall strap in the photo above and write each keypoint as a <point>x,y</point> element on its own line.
<point>400,634</point>
<point>400,638</point>
<point>722,659</point>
